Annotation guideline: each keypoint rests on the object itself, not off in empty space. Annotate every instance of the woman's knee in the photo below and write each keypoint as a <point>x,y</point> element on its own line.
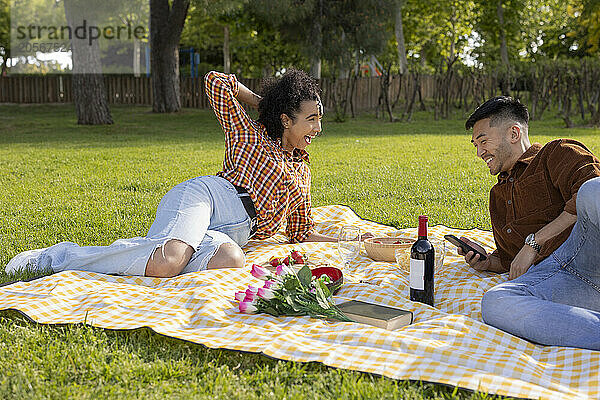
<point>229,255</point>
<point>169,259</point>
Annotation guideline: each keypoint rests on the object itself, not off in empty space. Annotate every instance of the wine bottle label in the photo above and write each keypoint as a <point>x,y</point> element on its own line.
<point>417,274</point>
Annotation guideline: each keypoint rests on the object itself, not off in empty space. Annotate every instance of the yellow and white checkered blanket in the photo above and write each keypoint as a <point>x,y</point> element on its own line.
<point>447,344</point>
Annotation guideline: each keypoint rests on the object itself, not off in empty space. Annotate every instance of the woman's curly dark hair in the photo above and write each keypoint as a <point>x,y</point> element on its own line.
<point>283,96</point>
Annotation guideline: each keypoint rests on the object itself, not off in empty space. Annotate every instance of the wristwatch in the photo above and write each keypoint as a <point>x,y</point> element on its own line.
<point>530,241</point>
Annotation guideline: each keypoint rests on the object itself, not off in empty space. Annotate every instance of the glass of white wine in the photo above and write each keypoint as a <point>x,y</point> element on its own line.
<point>348,244</point>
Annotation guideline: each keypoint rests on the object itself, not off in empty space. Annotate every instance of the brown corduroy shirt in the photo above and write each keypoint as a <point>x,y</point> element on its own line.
<point>541,185</point>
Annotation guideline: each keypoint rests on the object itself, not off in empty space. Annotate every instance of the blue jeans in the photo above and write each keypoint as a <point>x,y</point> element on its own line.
<point>203,212</point>
<point>557,302</point>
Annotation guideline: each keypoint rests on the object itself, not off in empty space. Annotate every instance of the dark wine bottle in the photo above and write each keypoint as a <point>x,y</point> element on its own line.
<point>422,262</point>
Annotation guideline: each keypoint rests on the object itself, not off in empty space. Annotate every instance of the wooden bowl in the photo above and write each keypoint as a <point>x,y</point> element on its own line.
<point>383,248</point>
<point>335,274</point>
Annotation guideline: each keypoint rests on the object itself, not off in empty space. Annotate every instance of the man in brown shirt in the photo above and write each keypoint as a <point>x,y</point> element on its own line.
<point>546,239</point>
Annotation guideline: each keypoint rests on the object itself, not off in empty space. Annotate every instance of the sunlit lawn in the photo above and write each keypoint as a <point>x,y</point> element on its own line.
<point>92,185</point>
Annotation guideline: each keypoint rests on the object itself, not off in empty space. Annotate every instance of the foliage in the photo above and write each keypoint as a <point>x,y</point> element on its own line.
<point>257,49</point>
<point>488,26</point>
<point>266,37</point>
<point>544,33</point>
<point>586,27</point>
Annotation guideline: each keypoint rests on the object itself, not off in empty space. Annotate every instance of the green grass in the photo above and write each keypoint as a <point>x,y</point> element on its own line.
<point>92,185</point>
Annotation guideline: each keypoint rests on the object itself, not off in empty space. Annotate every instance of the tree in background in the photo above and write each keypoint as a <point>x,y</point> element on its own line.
<point>587,25</point>
<point>358,32</point>
<point>399,34</point>
<point>255,49</point>
<point>89,94</point>
<point>304,27</point>
<point>4,35</point>
<point>448,40</point>
<point>498,24</point>
<point>167,19</point>
<point>545,27</point>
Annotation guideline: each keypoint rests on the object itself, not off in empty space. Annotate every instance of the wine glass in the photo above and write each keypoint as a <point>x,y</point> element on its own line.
<point>348,243</point>
<point>440,251</point>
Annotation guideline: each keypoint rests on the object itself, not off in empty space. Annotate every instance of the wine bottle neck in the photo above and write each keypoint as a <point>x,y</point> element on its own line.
<point>423,227</point>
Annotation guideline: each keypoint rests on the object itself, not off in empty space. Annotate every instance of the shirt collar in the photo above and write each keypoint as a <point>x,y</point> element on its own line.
<point>296,154</point>
<point>301,155</point>
<point>525,159</point>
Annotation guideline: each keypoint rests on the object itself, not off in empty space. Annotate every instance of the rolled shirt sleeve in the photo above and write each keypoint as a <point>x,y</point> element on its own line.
<point>222,90</point>
<point>570,164</point>
<point>300,224</point>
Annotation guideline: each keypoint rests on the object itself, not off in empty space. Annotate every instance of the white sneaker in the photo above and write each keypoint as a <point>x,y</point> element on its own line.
<point>26,260</point>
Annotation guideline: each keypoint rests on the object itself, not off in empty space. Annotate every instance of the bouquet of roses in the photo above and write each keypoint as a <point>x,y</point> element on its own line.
<point>289,293</point>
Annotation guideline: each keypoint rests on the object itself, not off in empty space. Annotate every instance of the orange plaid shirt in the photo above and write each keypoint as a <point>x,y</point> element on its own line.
<point>278,181</point>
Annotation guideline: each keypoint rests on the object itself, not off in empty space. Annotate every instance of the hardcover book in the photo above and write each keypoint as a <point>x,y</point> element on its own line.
<point>385,317</point>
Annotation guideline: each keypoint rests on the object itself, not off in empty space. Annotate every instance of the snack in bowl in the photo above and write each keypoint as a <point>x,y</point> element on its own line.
<point>403,255</point>
<point>332,276</point>
<point>383,248</point>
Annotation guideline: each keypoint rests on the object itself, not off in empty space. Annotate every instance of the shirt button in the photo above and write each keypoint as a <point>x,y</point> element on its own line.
<point>509,230</point>
<point>511,180</point>
<point>509,202</point>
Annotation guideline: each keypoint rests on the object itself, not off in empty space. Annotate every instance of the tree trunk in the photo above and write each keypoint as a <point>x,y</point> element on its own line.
<point>226,56</point>
<point>166,24</point>
<point>89,94</point>
<point>317,35</point>
<point>505,80</point>
<point>6,57</point>
<point>595,121</point>
<point>399,31</point>
<point>385,80</point>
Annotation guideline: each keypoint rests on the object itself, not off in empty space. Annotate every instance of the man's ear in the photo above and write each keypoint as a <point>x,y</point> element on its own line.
<point>285,121</point>
<point>515,133</point>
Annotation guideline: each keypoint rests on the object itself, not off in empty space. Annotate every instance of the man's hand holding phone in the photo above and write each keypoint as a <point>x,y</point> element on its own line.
<point>473,258</point>
<point>474,254</point>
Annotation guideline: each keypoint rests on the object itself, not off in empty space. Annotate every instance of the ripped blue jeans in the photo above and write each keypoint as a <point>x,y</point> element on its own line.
<point>557,301</point>
<point>203,212</point>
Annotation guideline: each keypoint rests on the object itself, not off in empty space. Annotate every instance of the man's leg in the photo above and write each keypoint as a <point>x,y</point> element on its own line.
<point>538,307</point>
<point>557,302</point>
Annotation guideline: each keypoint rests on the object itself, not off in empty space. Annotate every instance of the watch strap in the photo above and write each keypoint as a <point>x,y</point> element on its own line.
<point>530,241</point>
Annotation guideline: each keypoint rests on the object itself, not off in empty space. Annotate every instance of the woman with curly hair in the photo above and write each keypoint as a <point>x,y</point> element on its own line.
<point>201,223</point>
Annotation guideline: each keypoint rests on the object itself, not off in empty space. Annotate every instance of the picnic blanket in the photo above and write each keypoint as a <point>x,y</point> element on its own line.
<point>447,344</point>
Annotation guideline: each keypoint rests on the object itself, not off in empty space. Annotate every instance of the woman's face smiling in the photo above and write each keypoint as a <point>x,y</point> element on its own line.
<point>300,131</point>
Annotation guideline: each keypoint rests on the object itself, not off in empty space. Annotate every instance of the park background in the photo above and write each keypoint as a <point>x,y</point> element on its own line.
<point>394,57</point>
<point>422,64</point>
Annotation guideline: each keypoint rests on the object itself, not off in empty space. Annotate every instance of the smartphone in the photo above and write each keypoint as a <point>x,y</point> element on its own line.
<point>464,246</point>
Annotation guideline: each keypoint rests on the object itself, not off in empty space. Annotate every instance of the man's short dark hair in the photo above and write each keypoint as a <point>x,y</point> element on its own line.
<point>499,109</point>
<point>284,96</point>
